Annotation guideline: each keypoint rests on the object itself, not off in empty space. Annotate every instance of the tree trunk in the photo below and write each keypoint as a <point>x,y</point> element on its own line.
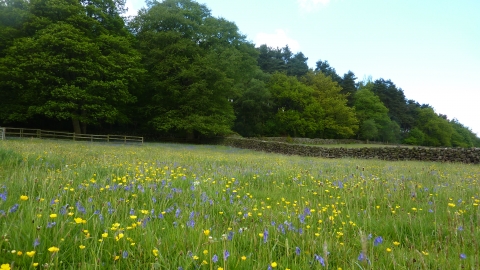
<point>76,126</point>
<point>84,125</point>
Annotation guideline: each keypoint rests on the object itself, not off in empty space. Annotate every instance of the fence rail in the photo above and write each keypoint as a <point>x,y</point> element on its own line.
<point>7,132</point>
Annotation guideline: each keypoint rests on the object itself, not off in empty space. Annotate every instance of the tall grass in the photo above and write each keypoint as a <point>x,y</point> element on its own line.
<point>67,205</point>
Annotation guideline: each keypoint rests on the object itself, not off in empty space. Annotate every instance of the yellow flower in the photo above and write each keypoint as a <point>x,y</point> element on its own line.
<point>273,264</point>
<point>206,232</point>
<point>155,252</point>
<point>396,243</point>
<point>53,249</point>
<point>30,253</point>
<point>19,253</point>
<point>116,258</point>
<point>81,246</point>
<point>195,257</point>
<point>205,252</point>
<point>133,217</point>
<point>5,266</point>
<point>204,262</point>
<point>451,205</point>
<point>53,215</point>
<point>23,198</point>
<point>104,235</point>
<point>244,258</point>
<point>389,249</point>
<point>78,220</point>
<point>219,268</point>
<point>35,264</point>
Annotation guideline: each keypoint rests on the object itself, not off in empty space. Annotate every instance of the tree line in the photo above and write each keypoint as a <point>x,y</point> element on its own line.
<point>175,70</point>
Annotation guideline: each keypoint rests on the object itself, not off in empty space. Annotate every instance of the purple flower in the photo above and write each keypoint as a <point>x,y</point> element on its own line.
<point>378,241</point>
<point>215,258</point>
<point>80,207</point>
<point>297,250</point>
<point>36,243</point>
<point>124,254</point>
<point>362,257</point>
<point>14,208</point>
<point>320,259</point>
<point>226,254</point>
<point>51,224</point>
<point>3,196</point>
<point>463,256</point>
<point>191,223</point>
<point>177,212</point>
<point>265,236</point>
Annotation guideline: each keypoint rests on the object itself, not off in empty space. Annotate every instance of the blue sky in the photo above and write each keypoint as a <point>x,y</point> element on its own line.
<point>430,49</point>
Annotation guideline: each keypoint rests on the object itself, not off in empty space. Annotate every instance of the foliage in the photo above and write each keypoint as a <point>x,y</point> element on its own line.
<point>195,65</point>
<point>75,65</point>
<point>176,70</point>
<point>339,120</point>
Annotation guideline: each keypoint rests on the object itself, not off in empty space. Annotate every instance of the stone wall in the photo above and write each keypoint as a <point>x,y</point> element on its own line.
<point>464,155</point>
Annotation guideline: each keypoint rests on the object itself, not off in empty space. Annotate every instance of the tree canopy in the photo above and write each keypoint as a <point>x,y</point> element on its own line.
<point>176,70</point>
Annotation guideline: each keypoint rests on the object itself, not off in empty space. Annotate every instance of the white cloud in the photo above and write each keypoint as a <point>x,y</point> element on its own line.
<point>310,5</point>
<point>278,39</point>
<point>133,6</point>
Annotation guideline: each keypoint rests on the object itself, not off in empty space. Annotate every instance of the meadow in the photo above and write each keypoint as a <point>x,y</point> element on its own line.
<point>74,205</point>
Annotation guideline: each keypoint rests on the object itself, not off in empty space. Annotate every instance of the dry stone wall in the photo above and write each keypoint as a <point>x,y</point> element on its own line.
<point>463,155</point>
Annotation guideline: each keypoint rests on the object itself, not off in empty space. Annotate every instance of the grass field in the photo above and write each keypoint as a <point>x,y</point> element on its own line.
<point>66,205</point>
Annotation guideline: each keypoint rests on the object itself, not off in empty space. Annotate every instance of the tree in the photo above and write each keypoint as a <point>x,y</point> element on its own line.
<point>369,107</point>
<point>297,112</point>
<point>272,60</point>
<point>349,87</point>
<point>325,68</point>
<point>254,108</point>
<point>338,119</point>
<point>394,99</point>
<point>438,131</point>
<point>197,67</point>
<point>65,71</point>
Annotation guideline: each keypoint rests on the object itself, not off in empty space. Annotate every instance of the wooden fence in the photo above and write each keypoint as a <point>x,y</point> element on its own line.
<point>7,132</point>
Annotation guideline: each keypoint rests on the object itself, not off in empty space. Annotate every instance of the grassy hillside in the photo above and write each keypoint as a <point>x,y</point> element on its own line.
<point>169,206</point>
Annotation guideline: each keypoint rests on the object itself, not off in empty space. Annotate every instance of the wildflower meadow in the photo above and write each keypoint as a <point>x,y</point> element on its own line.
<point>79,205</point>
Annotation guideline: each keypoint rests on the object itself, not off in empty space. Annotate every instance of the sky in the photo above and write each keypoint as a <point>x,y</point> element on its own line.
<point>428,48</point>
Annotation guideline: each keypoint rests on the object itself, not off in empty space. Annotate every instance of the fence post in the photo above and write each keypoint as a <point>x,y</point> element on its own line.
<point>108,138</point>
<point>2,133</point>
<point>39,133</point>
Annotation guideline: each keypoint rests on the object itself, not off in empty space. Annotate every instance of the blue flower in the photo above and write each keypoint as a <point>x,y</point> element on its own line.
<point>3,196</point>
<point>124,254</point>
<point>14,208</point>
<point>36,243</point>
<point>226,254</point>
<point>378,241</point>
<point>463,256</point>
<point>297,250</point>
<point>265,236</point>
<point>215,258</point>
<point>320,259</point>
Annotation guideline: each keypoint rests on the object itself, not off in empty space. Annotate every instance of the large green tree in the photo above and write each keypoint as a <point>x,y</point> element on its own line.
<point>339,120</point>
<point>297,111</point>
<point>197,66</point>
<point>74,66</point>
<point>370,109</point>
